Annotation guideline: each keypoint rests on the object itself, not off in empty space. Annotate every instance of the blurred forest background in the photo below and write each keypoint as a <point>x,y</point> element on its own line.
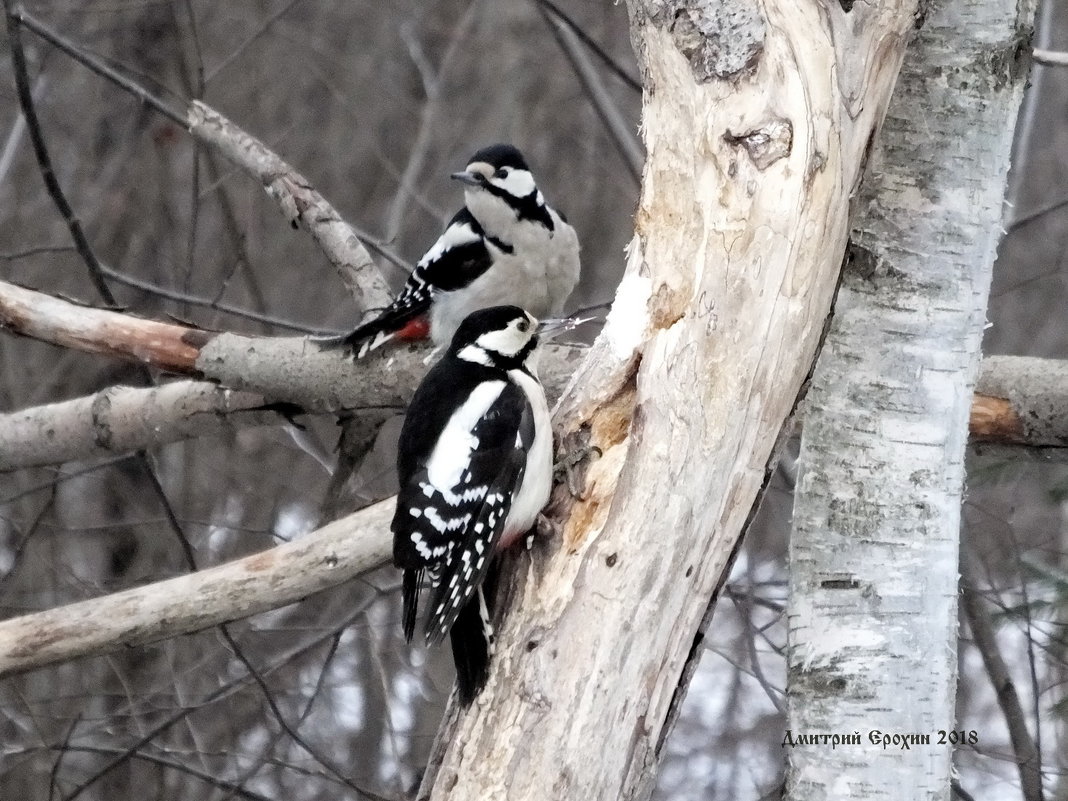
<point>376,102</point>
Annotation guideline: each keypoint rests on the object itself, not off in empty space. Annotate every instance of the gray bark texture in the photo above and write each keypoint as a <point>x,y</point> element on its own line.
<point>756,123</point>
<point>873,558</point>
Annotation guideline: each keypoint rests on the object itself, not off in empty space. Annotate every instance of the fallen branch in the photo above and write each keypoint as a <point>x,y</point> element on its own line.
<point>322,559</point>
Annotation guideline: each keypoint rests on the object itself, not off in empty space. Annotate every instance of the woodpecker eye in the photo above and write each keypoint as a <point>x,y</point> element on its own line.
<point>523,326</point>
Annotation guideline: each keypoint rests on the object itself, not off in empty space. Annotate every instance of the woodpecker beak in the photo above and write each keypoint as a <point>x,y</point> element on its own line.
<point>553,327</point>
<point>470,177</point>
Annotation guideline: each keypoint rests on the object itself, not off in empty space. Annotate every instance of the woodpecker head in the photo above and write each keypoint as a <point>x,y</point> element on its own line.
<point>500,190</point>
<point>500,336</point>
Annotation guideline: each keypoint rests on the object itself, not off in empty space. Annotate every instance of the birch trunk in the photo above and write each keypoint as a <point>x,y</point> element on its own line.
<point>873,559</point>
<point>757,121</point>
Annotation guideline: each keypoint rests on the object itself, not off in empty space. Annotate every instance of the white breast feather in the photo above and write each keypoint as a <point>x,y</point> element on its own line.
<point>533,493</point>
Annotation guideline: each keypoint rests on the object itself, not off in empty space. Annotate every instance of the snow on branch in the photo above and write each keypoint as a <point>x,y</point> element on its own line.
<point>267,580</point>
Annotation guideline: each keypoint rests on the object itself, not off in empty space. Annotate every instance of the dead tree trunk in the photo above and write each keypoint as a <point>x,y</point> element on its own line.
<point>757,121</point>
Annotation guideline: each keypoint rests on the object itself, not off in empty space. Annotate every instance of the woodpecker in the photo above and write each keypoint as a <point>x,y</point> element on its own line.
<point>505,246</point>
<point>475,468</point>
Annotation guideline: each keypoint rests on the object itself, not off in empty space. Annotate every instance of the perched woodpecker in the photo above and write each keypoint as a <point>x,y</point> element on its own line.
<point>506,246</point>
<point>475,463</point>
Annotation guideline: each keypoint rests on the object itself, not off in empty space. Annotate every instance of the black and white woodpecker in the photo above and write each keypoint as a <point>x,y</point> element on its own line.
<point>505,246</point>
<point>475,464</point>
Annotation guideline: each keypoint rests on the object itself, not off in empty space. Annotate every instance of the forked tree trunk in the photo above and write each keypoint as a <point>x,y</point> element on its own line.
<point>873,560</point>
<point>757,120</point>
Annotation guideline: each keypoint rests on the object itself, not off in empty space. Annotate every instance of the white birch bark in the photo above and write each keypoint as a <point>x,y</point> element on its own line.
<point>873,570</point>
<point>757,120</point>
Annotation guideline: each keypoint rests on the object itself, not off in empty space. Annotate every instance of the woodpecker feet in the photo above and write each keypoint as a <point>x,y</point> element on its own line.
<point>574,452</point>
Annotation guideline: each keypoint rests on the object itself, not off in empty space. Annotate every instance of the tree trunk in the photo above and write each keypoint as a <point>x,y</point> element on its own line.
<point>757,122</point>
<point>873,559</point>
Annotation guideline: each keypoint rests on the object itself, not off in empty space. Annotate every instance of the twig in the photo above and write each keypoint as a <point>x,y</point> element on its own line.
<point>237,51</point>
<point>44,161</point>
<point>189,554</point>
<point>594,47</point>
<point>232,686</point>
<point>53,778</point>
<point>234,788</point>
<point>1028,758</point>
<point>209,303</point>
<point>432,80</point>
<point>619,130</point>
<point>21,16</point>
<point>292,191</point>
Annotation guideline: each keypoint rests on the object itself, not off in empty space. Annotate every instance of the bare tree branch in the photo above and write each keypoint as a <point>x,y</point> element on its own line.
<point>163,345</point>
<point>285,369</point>
<point>622,133</point>
<point>1021,401</point>
<point>1028,758</point>
<point>291,190</point>
<point>44,161</point>
<point>299,202</point>
<point>123,419</point>
<point>1052,58</point>
<point>325,558</point>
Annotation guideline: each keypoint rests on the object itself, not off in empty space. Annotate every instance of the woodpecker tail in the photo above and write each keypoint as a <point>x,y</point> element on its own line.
<point>405,319</point>
<point>471,646</point>
<point>472,638</point>
<point>410,596</point>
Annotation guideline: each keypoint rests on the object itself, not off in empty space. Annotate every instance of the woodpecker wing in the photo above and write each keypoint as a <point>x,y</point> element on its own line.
<point>455,496</point>
<point>457,258</point>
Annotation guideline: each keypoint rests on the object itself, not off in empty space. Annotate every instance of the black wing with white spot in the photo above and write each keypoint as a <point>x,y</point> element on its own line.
<point>457,258</point>
<point>449,533</point>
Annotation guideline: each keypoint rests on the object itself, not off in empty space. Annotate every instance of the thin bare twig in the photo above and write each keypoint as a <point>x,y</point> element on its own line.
<point>432,80</point>
<point>191,562</point>
<point>226,690</point>
<point>21,17</point>
<point>1028,758</point>
<point>209,303</point>
<point>595,48</point>
<point>44,160</point>
<point>234,788</point>
<point>292,191</point>
<point>621,132</point>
